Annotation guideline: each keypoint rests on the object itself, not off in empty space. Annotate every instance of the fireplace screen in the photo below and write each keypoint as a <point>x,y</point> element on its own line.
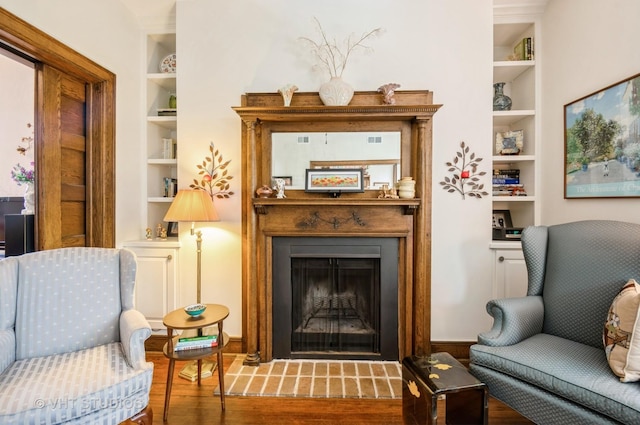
<point>335,304</point>
<point>335,298</point>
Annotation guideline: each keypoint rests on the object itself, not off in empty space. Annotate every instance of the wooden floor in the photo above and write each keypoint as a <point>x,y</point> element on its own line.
<point>191,404</point>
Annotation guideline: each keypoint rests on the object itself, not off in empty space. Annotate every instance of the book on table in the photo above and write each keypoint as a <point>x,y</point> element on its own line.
<point>194,343</point>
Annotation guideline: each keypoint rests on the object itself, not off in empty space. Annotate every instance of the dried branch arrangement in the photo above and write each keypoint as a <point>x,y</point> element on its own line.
<point>333,56</point>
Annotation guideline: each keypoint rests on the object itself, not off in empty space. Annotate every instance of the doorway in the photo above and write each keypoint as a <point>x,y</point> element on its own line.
<point>74,140</point>
<point>17,145</point>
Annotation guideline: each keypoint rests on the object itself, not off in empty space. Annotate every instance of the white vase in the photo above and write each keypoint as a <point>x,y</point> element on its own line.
<point>29,199</point>
<point>336,92</point>
<point>407,188</point>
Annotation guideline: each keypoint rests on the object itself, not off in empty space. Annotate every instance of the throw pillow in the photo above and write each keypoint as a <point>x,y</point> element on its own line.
<point>621,336</point>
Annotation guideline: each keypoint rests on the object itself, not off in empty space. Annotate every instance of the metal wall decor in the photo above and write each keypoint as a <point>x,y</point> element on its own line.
<point>465,178</point>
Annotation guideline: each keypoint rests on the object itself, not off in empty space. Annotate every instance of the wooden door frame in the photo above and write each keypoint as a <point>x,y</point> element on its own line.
<point>100,116</point>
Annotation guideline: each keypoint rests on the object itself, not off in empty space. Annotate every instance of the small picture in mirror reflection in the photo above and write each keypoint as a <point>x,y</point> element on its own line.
<point>288,180</point>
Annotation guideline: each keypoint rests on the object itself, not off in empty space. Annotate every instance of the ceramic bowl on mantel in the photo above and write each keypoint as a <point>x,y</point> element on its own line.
<point>195,310</point>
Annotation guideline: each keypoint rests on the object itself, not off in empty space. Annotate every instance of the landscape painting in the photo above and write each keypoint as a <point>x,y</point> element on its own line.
<point>602,143</point>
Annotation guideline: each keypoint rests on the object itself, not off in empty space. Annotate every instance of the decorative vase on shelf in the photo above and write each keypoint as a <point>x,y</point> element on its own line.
<point>336,92</point>
<point>407,188</point>
<point>501,102</point>
<point>29,199</point>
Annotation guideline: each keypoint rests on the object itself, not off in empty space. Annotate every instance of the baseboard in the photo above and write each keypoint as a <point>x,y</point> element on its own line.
<point>458,349</point>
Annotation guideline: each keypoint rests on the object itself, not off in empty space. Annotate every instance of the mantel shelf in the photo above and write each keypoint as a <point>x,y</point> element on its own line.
<point>261,204</point>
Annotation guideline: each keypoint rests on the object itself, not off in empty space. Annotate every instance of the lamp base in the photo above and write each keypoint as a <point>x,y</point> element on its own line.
<point>190,370</point>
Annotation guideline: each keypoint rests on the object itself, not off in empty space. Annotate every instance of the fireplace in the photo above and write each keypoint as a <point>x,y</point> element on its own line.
<point>335,298</point>
<point>404,222</point>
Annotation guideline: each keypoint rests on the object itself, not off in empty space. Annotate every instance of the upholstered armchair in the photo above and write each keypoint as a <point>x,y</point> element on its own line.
<point>71,344</point>
<point>544,355</point>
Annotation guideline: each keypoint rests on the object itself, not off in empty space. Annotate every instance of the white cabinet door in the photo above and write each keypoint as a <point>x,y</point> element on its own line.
<point>510,273</point>
<point>156,283</point>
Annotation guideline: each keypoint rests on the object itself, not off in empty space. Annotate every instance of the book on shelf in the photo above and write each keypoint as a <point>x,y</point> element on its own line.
<point>506,172</point>
<point>196,343</point>
<point>198,338</point>
<point>169,148</point>
<point>509,190</point>
<point>524,49</point>
<point>505,180</point>
<point>170,187</point>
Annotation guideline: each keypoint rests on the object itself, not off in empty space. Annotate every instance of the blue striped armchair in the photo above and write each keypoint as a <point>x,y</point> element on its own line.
<point>71,343</point>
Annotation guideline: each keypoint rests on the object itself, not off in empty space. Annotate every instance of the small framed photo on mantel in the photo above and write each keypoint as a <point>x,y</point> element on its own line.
<point>337,180</point>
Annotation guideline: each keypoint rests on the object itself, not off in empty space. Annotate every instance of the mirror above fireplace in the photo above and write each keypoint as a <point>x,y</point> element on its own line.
<point>377,153</point>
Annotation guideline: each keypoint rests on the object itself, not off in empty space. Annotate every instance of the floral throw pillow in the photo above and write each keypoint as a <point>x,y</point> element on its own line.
<point>621,335</point>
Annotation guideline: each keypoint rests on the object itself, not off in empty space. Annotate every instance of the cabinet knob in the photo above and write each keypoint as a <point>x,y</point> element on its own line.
<point>169,257</point>
<point>501,258</point>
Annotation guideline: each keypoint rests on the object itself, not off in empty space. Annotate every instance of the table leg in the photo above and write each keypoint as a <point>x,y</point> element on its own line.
<point>167,394</point>
<point>221,378</point>
<point>199,370</point>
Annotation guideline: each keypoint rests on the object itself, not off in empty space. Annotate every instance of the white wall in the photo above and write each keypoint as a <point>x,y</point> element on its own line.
<point>587,46</point>
<point>251,46</point>
<point>107,33</point>
<point>228,48</point>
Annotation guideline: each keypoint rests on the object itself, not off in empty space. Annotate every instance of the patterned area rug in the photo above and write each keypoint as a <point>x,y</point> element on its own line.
<point>315,378</point>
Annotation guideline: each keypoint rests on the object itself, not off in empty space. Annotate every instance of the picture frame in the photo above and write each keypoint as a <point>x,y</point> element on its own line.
<point>288,180</point>
<point>605,162</point>
<point>509,142</point>
<point>501,219</point>
<point>337,180</point>
<point>172,229</point>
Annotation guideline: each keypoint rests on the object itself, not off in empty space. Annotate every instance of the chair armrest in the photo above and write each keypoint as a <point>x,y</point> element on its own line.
<point>514,319</point>
<point>134,330</point>
<point>7,348</point>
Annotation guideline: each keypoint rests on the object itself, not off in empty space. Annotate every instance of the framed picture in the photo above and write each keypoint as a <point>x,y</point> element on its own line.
<point>602,143</point>
<point>172,229</point>
<point>501,219</point>
<point>509,142</point>
<point>334,180</point>
<point>288,180</point>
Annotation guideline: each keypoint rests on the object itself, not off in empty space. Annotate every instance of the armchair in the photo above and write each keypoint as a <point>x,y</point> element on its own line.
<point>544,355</point>
<point>71,344</point>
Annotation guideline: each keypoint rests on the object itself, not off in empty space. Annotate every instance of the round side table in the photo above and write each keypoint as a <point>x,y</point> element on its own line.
<point>178,319</point>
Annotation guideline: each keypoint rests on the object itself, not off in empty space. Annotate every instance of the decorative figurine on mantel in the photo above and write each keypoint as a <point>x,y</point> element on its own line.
<point>279,187</point>
<point>158,230</point>
<point>148,234</point>
<point>287,93</point>
<point>388,90</point>
<point>264,191</point>
<point>387,193</point>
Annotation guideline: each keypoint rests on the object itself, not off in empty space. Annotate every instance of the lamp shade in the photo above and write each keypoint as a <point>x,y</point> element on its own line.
<point>192,205</point>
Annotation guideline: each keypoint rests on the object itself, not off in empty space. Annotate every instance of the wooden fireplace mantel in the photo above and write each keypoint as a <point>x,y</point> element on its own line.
<point>358,214</point>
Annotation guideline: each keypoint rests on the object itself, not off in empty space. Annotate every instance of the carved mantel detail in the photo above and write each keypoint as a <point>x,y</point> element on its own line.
<point>315,220</point>
<point>353,214</point>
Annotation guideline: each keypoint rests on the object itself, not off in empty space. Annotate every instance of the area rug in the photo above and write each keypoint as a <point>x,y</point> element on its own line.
<point>315,378</point>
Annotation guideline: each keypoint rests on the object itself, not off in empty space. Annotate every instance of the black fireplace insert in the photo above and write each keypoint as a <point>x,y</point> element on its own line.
<point>335,298</point>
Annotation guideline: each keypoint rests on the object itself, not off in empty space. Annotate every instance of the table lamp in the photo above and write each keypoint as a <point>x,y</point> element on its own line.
<point>194,205</point>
